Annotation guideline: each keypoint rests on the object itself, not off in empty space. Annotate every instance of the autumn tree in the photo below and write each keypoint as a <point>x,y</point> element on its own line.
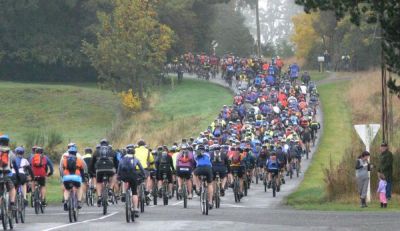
<point>131,46</point>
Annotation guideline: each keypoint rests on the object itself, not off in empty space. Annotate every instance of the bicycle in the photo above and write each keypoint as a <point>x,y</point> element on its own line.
<point>236,187</point>
<point>274,185</point>
<point>129,215</point>
<point>307,144</point>
<point>90,194</point>
<point>104,194</point>
<point>164,189</point>
<point>5,213</point>
<point>37,198</point>
<point>204,195</point>
<point>265,181</point>
<point>20,213</point>
<point>217,191</point>
<point>72,203</point>
<point>142,196</point>
<point>184,193</point>
<point>154,190</point>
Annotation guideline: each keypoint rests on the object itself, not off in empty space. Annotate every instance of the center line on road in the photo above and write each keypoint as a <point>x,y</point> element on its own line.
<point>81,222</point>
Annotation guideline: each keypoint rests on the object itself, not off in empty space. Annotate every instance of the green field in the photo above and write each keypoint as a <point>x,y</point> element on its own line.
<point>336,138</point>
<point>79,113</point>
<point>316,75</point>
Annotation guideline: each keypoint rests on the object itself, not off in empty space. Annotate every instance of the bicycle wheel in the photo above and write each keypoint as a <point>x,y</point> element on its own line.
<point>164,193</point>
<point>10,219</point>
<point>245,186</point>
<point>128,206</point>
<point>4,221</point>
<point>105,200</point>
<point>41,206</point>
<point>70,209</point>
<point>257,177</point>
<point>184,195</point>
<point>21,212</point>
<point>155,195</point>
<point>273,187</point>
<point>75,208</point>
<point>36,202</point>
<point>206,199</point>
<point>265,185</point>
<point>16,213</point>
<point>142,200</point>
<point>291,172</point>
<point>297,170</point>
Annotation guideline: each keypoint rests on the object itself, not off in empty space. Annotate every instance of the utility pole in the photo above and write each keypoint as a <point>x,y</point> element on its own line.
<point>258,30</point>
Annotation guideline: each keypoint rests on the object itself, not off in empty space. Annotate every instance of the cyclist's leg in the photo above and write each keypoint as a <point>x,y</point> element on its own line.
<point>42,183</point>
<point>210,181</point>
<point>99,184</point>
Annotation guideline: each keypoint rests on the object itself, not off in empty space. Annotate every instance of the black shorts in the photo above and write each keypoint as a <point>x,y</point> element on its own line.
<point>100,174</point>
<point>6,180</point>
<point>273,171</point>
<point>160,174</point>
<point>20,180</point>
<point>131,179</point>
<point>41,180</point>
<point>184,172</point>
<point>204,171</point>
<point>69,184</point>
<point>239,170</point>
<point>221,170</point>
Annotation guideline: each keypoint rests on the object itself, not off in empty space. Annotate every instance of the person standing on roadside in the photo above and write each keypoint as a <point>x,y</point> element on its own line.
<point>362,168</point>
<point>386,167</point>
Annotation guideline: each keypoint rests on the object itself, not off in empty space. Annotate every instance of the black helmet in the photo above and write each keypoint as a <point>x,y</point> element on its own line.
<point>104,142</point>
<point>201,147</point>
<point>141,143</point>
<point>88,150</point>
<point>130,149</point>
<point>39,150</point>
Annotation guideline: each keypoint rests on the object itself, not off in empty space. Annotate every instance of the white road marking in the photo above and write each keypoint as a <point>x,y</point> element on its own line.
<point>233,206</point>
<point>58,214</point>
<point>81,222</point>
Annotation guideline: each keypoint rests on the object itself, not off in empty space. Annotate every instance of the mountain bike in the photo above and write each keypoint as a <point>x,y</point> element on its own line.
<point>37,198</point>
<point>20,213</point>
<point>5,212</point>
<point>90,193</point>
<point>217,191</point>
<point>154,190</point>
<point>274,185</point>
<point>72,203</point>
<point>204,195</point>
<point>141,194</point>
<point>236,186</point>
<point>129,214</point>
<point>164,189</point>
<point>104,193</point>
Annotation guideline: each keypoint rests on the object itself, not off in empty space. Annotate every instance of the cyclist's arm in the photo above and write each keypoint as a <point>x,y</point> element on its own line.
<point>171,164</point>
<point>50,165</point>
<point>60,166</point>
<point>141,168</point>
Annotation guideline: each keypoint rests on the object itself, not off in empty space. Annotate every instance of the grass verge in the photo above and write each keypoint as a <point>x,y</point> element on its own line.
<point>336,138</point>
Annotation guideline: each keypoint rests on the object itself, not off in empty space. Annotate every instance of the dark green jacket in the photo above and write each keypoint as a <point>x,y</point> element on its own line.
<point>386,164</point>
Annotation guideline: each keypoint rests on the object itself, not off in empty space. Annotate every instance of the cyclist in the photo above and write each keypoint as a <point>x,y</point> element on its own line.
<point>21,169</point>
<point>184,166</point>
<point>104,164</point>
<point>5,168</point>
<point>236,166</point>
<point>87,158</point>
<point>273,168</point>
<point>42,168</point>
<point>220,164</point>
<point>249,161</point>
<point>128,174</point>
<point>306,139</point>
<point>203,168</point>
<point>164,165</point>
<point>73,173</point>
<point>147,160</point>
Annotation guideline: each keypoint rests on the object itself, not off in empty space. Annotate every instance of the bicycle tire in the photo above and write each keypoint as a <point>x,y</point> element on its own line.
<point>105,200</point>
<point>155,197</point>
<point>184,194</point>
<point>128,206</point>
<point>41,207</point>
<point>142,201</point>
<point>165,196</point>
<point>206,199</point>
<point>18,208</point>
<point>36,202</point>
<point>265,186</point>
<point>257,177</point>
<point>10,221</point>
<point>22,212</point>
<point>70,208</point>
<point>245,186</point>
<point>4,215</point>
<point>75,210</point>
<point>273,187</point>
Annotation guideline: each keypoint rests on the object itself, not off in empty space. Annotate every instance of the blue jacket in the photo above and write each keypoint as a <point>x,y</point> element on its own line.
<point>203,160</point>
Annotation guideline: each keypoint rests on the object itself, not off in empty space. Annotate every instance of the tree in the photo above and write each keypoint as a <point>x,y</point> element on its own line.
<point>230,32</point>
<point>305,37</point>
<point>131,45</point>
<point>387,13</point>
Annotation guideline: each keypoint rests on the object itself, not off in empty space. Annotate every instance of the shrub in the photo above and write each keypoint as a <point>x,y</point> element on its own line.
<point>130,101</point>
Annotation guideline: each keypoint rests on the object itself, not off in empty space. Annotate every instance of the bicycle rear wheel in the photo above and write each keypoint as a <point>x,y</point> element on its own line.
<point>105,200</point>
<point>155,196</point>
<point>4,221</point>
<point>273,187</point>
<point>16,214</point>
<point>128,206</point>
<point>21,212</point>
<point>142,200</point>
<point>36,202</point>
<point>164,194</point>
<point>184,195</point>
<point>70,209</point>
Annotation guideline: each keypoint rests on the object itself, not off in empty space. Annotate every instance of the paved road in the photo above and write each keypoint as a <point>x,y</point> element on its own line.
<point>257,211</point>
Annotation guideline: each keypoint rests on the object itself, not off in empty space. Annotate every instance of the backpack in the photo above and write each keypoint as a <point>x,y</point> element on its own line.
<point>217,132</point>
<point>126,165</point>
<point>273,163</point>
<point>217,158</point>
<point>4,158</point>
<point>70,164</point>
<point>38,160</point>
<point>184,158</point>
<point>104,152</point>
<point>236,158</point>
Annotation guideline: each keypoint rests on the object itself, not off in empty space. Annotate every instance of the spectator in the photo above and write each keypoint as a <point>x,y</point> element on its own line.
<point>386,167</point>
<point>362,176</point>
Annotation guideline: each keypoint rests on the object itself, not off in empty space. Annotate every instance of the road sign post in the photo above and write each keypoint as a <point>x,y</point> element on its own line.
<point>367,133</point>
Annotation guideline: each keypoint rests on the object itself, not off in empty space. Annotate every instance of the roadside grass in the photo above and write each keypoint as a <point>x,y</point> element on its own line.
<point>336,138</point>
<point>79,113</point>
<point>180,113</point>
<point>316,75</point>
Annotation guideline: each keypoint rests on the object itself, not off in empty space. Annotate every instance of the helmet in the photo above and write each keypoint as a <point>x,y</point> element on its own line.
<point>88,150</point>
<point>173,148</point>
<point>141,143</point>
<point>183,146</point>
<point>104,142</point>
<point>39,150</point>
<point>34,149</point>
<point>20,150</point>
<point>130,149</point>
<point>70,145</point>
<point>72,150</point>
<point>4,140</point>
<point>130,146</point>
<point>200,147</point>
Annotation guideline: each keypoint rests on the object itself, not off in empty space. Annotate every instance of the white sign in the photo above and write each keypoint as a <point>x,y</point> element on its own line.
<point>321,59</point>
<point>367,133</point>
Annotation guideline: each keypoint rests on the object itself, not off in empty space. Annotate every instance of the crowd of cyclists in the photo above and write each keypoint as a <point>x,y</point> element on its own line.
<point>262,137</point>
